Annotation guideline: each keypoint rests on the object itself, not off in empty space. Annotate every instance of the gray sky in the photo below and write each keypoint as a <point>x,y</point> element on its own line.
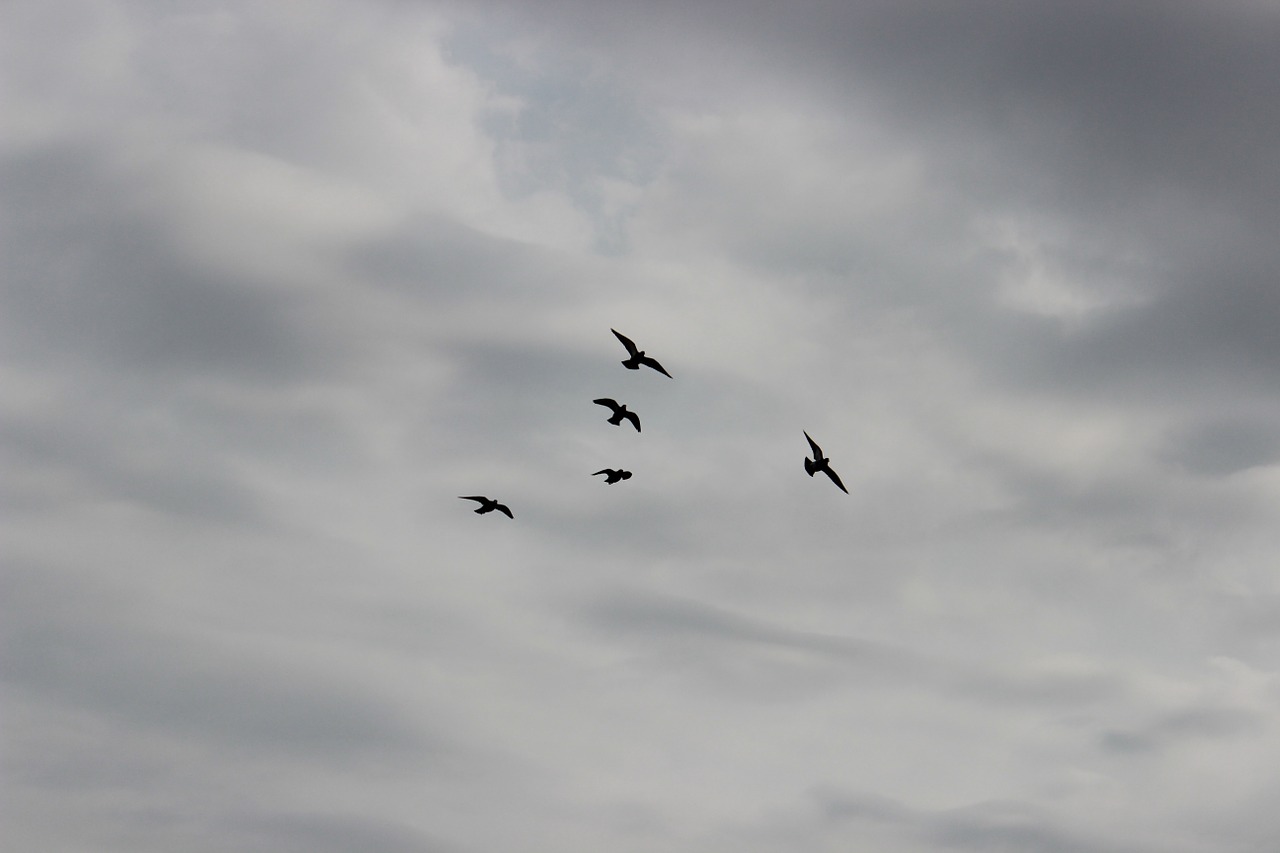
<point>278,282</point>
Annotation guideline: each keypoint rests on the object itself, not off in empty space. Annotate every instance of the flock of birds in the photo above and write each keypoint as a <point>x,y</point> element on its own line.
<point>636,359</point>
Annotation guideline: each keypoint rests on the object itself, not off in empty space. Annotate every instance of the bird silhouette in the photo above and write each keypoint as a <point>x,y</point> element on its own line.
<point>636,356</point>
<point>487,505</point>
<point>620,411</point>
<point>821,463</point>
<point>613,475</point>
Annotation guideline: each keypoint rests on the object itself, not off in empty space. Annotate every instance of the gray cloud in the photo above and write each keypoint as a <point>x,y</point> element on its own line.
<point>994,825</point>
<point>721,639</point>
<point>279,284</point>
<point>94,276</point>
<point>326,833</point>
<point>1179,727</point>
<point>89,648</point>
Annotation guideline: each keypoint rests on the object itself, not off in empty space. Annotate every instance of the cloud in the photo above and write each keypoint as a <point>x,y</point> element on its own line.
<point>98,280</point>
<point>279,284</point>
<point>90,648</point>
<point>271,831</point>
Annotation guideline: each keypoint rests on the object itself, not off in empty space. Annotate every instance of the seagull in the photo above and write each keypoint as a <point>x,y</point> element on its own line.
<point>487,505</point>
<point>612,476</point>
<point>821,463</point>
<point>636,357</point>
<point>620,411</point>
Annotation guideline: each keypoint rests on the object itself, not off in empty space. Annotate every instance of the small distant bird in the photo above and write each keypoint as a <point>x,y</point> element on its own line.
<point>613,475</point>
<point>487,505</point>
<point>636,356</point>
<point>620,411</point>
<point>821,463</point>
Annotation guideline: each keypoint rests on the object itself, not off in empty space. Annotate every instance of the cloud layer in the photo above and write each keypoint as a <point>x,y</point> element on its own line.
<point>278,284</point>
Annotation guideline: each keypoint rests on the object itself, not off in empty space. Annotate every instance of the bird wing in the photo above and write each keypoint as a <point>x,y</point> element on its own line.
<point>634,418</point>
<point>653,362</point>
<point>606,401</point>
<point>480,498</point>
<point>504,509</point>
<point>817,451</point>
<point>835,478</point>
<point>604,471</point>
<point>632,349</point>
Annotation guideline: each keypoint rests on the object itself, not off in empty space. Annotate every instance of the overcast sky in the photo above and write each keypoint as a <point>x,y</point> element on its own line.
<point>280,281</point>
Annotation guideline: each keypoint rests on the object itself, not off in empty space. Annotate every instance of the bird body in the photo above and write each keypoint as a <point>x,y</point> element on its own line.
<point>613,475</point>
<point>620,411</point>
<point>821,463</point>
<point>487,505</point>
<point>636,357</point>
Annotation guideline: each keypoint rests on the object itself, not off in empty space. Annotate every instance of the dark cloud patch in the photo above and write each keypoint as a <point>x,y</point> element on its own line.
<point>1118,508</point>
<point>838,806</point>
<point>284,832</point>
<point>662,616</point>
<point>1040,687</point>
<point>989,826</point>
<point>1102,94</point>
<point>1077,105</point>
<point>1173,729</point>
<point>93,276</point>
<point>1211,722</point>
<point>520,395</point>
<point>1221,447</point>
<point>440,260</point>
<point>721,638</point>
<point>1126,743</point>
<point>92,649</point>
<point>1207,332</point>
<point>1250,618</point>
<point>98,461</point>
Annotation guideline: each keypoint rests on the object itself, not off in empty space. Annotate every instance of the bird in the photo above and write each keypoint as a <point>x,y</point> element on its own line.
<point>613,475</point>
<point>620,411</point>
<point>636,356</point>
<point>821,463</point>
<point>487,505</point>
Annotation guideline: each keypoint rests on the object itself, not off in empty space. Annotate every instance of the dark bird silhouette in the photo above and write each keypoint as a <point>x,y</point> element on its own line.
<point>636,356</point>
<point>487,505</point>
<point>620,411</point>
<point>613,475</point>
<point>821,463</point>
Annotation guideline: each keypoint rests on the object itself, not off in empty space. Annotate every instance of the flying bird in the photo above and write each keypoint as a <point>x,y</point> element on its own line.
<point>636,356</point>
<point>821,463</point>
<point>487,505</point>
<point>620,411</point>
<point>613,475</point>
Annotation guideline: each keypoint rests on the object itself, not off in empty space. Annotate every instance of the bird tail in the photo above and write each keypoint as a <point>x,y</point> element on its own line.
<point>810,466</point>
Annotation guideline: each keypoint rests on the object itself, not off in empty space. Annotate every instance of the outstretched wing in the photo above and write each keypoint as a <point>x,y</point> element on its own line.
<point>835,478</point>
<point>604,471</point>
<point>481,498</point>
<point>817,451</point>
<point>607,401</point>
<point>504,509</point>
<point>634,418</point>
<point>626,342</point>
<point>653,362</point>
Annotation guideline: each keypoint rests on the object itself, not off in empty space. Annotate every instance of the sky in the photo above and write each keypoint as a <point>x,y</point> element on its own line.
<point>279,282</point>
